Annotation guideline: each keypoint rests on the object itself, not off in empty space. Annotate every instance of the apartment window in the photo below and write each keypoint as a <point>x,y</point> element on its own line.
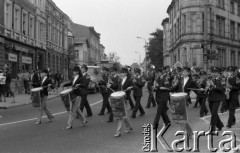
<point>232,7</point>
<point>238,31</point>
<point>221,3</point>
<point>24,24</point>
<point>184,23</point>
<point>8,15</point>
<point>238,10</point>
<point>193,22</point>
<point>222,58</point>
<point>31,27</point>
<point>232,58</point>
<point>17,19</point>
<point>76,54</point>
<point>232,29</point>
<point>220,27</point>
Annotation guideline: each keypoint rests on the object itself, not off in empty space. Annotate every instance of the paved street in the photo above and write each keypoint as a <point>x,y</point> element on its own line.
<point>19,134</point>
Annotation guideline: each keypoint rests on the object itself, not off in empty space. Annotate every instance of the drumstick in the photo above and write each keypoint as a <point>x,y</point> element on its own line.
<point>111,89</point>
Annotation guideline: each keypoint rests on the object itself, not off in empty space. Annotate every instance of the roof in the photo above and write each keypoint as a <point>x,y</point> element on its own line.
<point>170,6</point>
<point>84,31</point>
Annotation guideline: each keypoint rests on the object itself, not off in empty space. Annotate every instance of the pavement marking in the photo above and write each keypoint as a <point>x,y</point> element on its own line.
<point>56,114</point>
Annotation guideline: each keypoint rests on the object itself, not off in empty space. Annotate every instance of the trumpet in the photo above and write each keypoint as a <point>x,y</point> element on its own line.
<point>210,83</point>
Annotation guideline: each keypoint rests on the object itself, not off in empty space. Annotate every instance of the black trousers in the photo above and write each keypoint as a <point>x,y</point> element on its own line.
<point>138,106</point>
<point>232,108</point>
<point>161,111</point>
<point>84,103</point>
<point>203,108</point>
<point>197,101</point>
<point>151,99</point>
<point>129,99</point>
<point>215,120</point>
<point>224,105</point>
<point>105,104</point>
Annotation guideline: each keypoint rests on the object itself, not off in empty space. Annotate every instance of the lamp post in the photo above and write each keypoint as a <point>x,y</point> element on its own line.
<point>145,51</point>
<point>139,60</point>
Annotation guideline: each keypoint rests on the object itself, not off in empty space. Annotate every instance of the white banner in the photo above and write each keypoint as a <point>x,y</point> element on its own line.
<point>26,60</point>
<point>12,57</point>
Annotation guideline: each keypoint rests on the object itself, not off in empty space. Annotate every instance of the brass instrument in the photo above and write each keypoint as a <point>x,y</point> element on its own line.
<point>210,83</point>
<point>227,91</point>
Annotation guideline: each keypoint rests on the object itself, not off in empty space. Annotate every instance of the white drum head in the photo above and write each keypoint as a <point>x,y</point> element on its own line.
<point>118,94</point>
<point>181,94</point>
<point>65,91</point>
<point>36,89</point>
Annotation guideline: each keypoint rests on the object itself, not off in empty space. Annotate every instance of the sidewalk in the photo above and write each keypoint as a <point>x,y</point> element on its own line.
<point>23,99</point>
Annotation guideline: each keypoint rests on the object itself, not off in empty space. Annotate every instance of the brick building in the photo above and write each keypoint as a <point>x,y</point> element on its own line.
<point>204,33</point>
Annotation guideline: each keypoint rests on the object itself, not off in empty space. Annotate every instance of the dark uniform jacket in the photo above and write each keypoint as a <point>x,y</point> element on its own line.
<point>137,87</point>
<point>216,93</point>
<point>103,84</point>
<point>150,79</point>
<point>127,83</point>
<point>76,91</point>
<point>234,91</point>
<point>36,80</point>
<point>85,83</point>
<point>163,81</point>
<point>45,84</point>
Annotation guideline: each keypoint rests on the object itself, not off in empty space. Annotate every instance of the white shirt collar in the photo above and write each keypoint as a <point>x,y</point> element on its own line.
<point>44,79</point>
<point>185,80</point>
<point>124,80</point>
<point>75,78</point>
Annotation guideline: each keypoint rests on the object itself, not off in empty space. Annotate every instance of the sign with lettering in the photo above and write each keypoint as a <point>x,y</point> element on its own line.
<point>26,60</point>
<point>21,49</point>
<point>12,57</point>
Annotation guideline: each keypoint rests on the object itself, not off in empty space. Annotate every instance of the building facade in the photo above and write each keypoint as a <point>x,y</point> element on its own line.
<point>166,42</point>
<point>58,31</point>
<point>22,34</point>
<point>87,37</point>
<point>204,33</point>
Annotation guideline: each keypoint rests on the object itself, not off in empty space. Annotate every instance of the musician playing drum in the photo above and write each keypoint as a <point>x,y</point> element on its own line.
<point>124,84</point>
<point>75,110</point>
<point>45,83</point>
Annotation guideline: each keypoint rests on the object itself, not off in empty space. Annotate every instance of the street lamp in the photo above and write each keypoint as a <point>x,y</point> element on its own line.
<point>139,57</point>
<point>145,51</point>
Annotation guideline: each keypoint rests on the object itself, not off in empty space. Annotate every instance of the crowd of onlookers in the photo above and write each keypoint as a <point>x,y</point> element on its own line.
<point>23,82</point>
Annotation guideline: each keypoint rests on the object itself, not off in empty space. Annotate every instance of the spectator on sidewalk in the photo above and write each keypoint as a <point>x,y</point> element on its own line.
<point>8,83</point>
<point>26,77</point>
<point>20,80</point>
<point>2,86</point>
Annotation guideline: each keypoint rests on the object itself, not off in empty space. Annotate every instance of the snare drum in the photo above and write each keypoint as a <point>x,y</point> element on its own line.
<point>67,96</point>
<point>178,106</point>
<point>36,98</point>
<point>117,100</point>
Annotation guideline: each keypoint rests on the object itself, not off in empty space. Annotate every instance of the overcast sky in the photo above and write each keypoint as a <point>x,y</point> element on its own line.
<point>119,22</point>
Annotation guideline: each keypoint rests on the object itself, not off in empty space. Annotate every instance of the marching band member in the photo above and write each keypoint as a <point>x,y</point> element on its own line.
<point>128,93</point>
<point>75,110</point>
<point>138,84</point>
<point>84,90</point>
<point>202,96</point>
<point>45,83</point>
<point>124,84</point>
<point>215,96</point>
<point>184,85</point>
<point>104,91</point>
<point>231,84</point>
<point>150,81</point>
<point>224,75</point>
<point>162,88</point>
<point>112,86</point>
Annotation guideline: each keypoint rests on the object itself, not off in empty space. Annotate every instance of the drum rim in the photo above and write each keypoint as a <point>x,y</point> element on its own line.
<point>118,95</point>
<point>180,94</point>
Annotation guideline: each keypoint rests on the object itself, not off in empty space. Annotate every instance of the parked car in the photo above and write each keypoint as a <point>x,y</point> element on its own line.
<point>95,74</point>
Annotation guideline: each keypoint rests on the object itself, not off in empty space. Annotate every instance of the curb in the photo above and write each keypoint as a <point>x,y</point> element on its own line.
<point>24,104</point>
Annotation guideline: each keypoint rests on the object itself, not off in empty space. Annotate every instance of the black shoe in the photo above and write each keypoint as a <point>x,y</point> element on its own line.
<point>88,115</point>
<point>100,114</point>
<point>206,112</point>
<point>142,114</point>
<point>201,115</point>
<point>110,121</point>
<point>133,116</point>
<point>154,106</point>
